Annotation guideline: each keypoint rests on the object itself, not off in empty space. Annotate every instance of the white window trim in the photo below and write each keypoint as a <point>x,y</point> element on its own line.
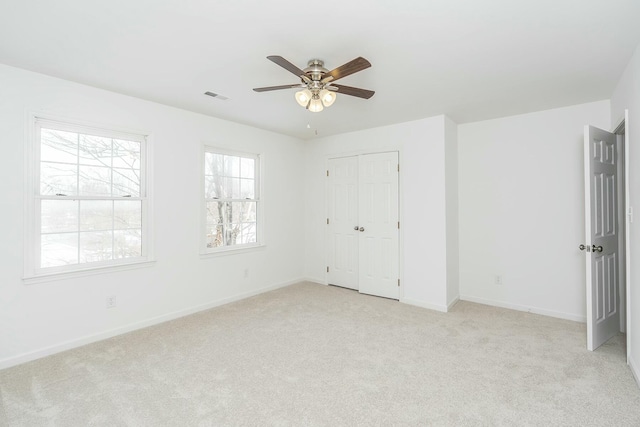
<point>32,272</point>
<point>206,252</point>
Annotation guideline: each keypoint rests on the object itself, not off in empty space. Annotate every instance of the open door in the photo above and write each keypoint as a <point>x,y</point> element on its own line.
<point>602,248</point>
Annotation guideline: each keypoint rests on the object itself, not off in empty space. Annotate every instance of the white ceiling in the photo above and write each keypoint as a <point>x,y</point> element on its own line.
<point>469,59</point>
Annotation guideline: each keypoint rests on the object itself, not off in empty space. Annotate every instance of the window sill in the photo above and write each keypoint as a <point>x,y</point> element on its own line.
<point>49,277</point>
<point>231,251</point>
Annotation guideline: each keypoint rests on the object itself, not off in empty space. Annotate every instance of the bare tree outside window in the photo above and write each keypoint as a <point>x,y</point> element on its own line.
<point>231,200</point>
<point>91,198</point>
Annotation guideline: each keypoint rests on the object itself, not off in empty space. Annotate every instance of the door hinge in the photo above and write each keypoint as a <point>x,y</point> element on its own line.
<point>327,221</point>
<point>398,167</point>
<point>327,172</point>
<point>398,282</point>
<point>327,268</point>
<point>398,225</point>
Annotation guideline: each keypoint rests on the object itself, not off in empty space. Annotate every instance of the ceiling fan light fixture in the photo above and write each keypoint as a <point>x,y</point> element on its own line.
<point>303,97</point>
<point>327,97</point>
<point>315,106</point>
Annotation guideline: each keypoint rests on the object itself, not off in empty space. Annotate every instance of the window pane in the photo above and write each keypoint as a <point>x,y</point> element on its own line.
<point>214,226</point>
<point>214,236</point>
<point>95,150</point>
<point>215,212</point>
<point>249,211</point>
<point>127,214</point>
<point>58,216</point>
<point>213,187</point>
<point>235,212</point>
<point>242,212</point>
<point>126,154</point>
<point>128,243</point>
<point>231,232</point>
<point>58,249</point>
<point>96,246</point>
<point>126,182</point>
<point>56,178</point>
<point>96,215</point>
<point>232,188</point>
<point>58,146</point>
<point>95,181</point>
<point>232,166</point>
<point>247,168</point>
<point>248,233</point>
<point>247,187</point>
<point>213,164</point>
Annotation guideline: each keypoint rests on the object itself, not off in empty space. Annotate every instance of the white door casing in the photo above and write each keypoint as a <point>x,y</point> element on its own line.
<point>378,248</point>
<point>342,221</point>
<point>601,223</point>
<point>362,220</point>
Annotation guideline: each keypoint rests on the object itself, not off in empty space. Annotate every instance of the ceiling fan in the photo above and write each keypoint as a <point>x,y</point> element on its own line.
<point>317,83</point>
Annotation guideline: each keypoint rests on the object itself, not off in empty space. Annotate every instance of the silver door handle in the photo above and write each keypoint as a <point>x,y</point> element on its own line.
<point>595,248</point>
<point>361,229</point>
<point>582,247</point>
<point>355,228</point>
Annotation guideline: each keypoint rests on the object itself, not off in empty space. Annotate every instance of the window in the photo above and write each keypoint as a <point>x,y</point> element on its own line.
<point>89,201</point>
<point>231,200</point>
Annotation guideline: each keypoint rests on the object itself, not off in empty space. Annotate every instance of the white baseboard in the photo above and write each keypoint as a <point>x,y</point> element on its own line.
<point>452,303</point>
<point>535,310</point>
<point>88,339</point>
<point>418,303</point>
<point>634,370</point>
<point>314,280</point>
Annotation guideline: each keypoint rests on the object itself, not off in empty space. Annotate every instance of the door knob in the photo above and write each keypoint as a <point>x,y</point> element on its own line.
<point>355,228</point>
<point>595,248</point>
<point>582,247</point>
<point>361,228</point>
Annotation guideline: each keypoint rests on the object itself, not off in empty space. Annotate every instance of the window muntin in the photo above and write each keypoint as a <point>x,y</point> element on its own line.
<point>232,202</point>
<point>90,203</point>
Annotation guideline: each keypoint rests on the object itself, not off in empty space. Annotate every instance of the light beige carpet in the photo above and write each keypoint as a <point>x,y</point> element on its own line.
<point>315,355</point>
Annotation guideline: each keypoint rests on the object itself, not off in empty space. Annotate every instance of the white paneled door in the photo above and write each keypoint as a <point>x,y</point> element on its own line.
<point>363,223</point>
<point>343,222</point>
<point>601,247</point>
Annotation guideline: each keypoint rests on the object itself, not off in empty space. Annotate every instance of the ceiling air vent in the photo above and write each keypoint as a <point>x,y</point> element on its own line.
<point>216,95</point>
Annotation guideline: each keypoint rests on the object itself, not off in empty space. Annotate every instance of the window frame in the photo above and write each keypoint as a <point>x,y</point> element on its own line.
<point>259,200</point>
<point>33,272</point>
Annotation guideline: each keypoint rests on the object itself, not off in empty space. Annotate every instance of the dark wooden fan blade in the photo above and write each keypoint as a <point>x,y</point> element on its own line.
<point>266,89</point>
<point>286,65</point>
<point>347,69</point>
<point>354,91</point>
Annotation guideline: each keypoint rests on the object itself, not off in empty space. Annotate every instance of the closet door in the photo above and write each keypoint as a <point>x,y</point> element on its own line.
<point>363,223</point>
<point>378,224</point>
<point>342,221</point>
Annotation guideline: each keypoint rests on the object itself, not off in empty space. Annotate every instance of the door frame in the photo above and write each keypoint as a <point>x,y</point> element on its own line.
<point>622,129</point>
<point>400,210</point>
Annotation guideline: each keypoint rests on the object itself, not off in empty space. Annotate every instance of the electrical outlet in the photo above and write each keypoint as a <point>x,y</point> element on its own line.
<point>498,279</point>
<point>111,301</point>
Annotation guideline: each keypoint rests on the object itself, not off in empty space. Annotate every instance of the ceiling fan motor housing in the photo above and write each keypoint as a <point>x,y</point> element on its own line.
<point>315,69</point>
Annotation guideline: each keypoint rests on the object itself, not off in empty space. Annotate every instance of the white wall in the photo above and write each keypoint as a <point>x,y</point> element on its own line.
<point>423,250</point>
<point>627,96</point>
<point>37,319</point>
<point>522,209</point>
<point>452,214</point>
